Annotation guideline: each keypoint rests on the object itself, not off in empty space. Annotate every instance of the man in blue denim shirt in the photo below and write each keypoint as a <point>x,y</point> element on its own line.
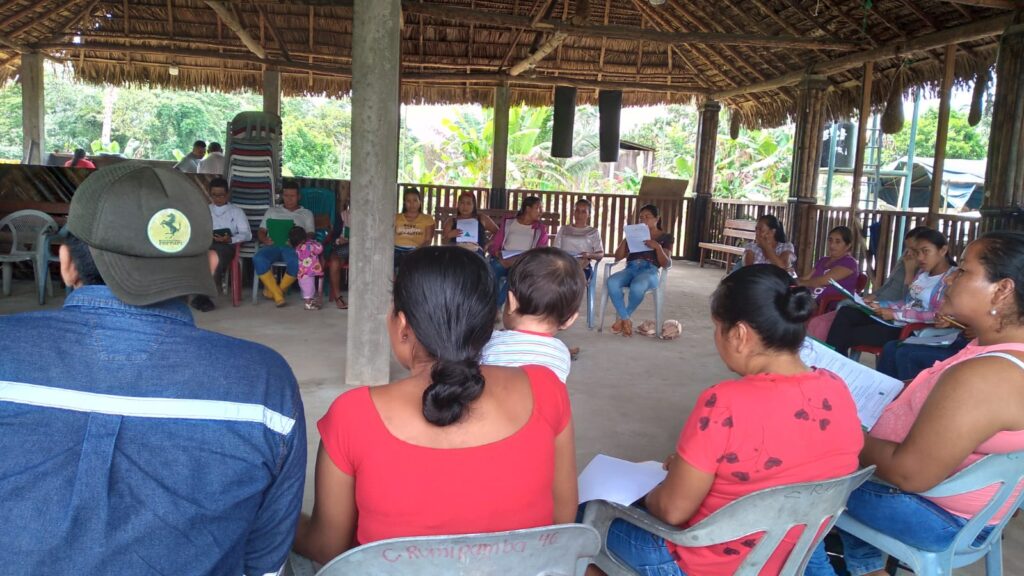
<point>131,441</point>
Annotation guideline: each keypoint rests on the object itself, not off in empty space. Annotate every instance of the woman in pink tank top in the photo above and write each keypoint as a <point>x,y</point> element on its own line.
<point>951,415</point>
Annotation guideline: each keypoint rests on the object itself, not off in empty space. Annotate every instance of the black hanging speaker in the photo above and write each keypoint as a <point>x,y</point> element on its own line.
<point>562,122</point>
<point>609,105</point>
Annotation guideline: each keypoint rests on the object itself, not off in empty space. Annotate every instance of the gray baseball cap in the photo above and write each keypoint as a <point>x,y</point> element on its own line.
<point>148,229</point>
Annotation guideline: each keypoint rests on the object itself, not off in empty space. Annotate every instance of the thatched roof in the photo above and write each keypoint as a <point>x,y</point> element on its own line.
<point>456,51</point>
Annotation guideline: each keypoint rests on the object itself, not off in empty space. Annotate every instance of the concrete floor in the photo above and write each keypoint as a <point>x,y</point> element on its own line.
<point>630,397</point>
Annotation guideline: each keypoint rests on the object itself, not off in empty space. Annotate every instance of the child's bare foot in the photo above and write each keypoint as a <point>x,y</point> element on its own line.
<point>574,352</point>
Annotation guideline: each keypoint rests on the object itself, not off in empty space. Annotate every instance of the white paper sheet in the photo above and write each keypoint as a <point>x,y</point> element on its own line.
<point>615,480</point>
<point>864,306</point>
<point>872,391</point>
<point>636,235</point>
<point>469,229</point>
<point>933,337</point>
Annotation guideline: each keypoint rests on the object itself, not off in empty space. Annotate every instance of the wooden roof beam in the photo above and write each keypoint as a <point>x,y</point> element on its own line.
<point>274,33</point>
<point>553,81</point>
<point>556,39</point>
<point>966,33</point>
<point>465,15</point>
<point>228,16</point>
<point>1001,4</point>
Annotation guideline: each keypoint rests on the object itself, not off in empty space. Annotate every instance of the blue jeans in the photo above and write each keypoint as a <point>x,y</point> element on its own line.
<point>267,255</point>
<point>500,281</point>
<point>639,276</point>
<point>906,361</point>
<point>907,517</point>
<point>637,548</point>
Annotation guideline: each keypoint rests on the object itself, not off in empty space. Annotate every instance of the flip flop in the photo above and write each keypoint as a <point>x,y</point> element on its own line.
<point>341,304</point>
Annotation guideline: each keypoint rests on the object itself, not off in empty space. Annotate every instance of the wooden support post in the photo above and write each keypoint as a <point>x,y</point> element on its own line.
<point>272,92</point>
<point>862,139</point>
<point>704,178</point>
<point>376,54</point>
<point>33,108</point>
<point>499,159</point>
<point>1003,208</point>
<point>937,202</point>
<point>803,184</point>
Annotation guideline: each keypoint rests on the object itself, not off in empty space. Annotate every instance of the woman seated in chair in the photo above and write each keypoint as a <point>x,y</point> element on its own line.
<point>482,227</point>
<point>951,415</point>
<point>413,228</point>
<point>580,239</point>
<point>452,448</point>
<point>838,266</point>
<point>641,272</point>
<point>516,235</point>
<point>853,327</point>
<point>336,249</point>
<point>770,246</point>
<point>781,422</point>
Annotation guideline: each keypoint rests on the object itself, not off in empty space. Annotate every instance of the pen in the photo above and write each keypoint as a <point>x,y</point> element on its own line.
<point>953,322</point>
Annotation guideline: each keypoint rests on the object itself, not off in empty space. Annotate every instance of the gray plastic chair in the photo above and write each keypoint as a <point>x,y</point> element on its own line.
<point>772,511</point>
<point>44,257</point>
<point>659,294</point>
<point>591,295</point>
<point>1005,470</point>
<point>26,230</point>
<point>560,550</point>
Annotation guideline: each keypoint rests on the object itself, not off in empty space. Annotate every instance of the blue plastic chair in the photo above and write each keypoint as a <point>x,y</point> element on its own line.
<point>1006,470</point>
<point>559,550</point>
<point>772,511</point>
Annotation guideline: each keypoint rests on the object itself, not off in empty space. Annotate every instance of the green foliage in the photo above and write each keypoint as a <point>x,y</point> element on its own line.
<point>674,136</point>
<point>97,147</point>
<point>756,165</point>
<point>963,142</point>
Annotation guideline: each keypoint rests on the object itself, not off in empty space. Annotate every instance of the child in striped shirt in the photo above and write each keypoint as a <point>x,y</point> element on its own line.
<point>545,289</point>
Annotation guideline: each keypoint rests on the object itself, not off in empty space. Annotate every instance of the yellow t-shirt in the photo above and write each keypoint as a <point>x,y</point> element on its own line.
<point>412,234</point>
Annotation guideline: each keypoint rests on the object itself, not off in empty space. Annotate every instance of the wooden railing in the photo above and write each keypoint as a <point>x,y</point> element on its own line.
<point>438,196</point>
<point>723,209</point>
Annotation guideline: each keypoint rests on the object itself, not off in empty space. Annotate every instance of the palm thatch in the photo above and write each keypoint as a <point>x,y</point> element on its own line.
<point>456,51</point>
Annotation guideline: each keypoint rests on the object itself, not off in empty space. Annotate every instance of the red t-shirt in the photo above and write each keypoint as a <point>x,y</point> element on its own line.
<point>761,431</point>
<point>408,490</point>
<point>83,163</point>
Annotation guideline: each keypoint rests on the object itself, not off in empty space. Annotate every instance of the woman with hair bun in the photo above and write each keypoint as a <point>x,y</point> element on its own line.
<point>452,448</point>
<point>781,422</point>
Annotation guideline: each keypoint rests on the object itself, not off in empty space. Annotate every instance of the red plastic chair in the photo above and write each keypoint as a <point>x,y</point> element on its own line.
<point>905,333</point>
<point>827,304</point>
<point>236,276</point>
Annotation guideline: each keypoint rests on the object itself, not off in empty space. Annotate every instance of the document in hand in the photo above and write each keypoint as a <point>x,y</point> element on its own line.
<point>636,235</point>
<point>615,480</point>
<point>277,229</point>
<point>862,305</point>
<point>872,391</point>
<point>469,229</point>
<point>933,337</point>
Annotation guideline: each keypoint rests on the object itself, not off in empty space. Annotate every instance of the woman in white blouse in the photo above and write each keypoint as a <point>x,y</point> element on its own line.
<point>580,239</point>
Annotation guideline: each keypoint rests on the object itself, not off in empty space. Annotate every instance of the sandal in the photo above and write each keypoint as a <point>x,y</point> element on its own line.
<point>341,304</point>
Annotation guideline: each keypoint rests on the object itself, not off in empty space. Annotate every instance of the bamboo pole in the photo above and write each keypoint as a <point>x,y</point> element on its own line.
<point>862,139</point>
<point>941,135</point>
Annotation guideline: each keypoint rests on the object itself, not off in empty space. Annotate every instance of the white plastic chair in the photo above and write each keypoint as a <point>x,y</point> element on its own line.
<point>773,511</point>
<point>659,294</point>
<point>26,229</point>
<point>560,550</point>
<point>256,279</point>
<point>1005,470</point>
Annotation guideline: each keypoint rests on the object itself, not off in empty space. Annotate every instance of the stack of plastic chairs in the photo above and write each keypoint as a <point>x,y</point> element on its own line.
<point>253,169</point>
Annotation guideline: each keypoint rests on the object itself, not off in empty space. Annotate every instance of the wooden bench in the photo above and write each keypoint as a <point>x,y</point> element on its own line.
<point>550,219</point>
<point>736,232</point>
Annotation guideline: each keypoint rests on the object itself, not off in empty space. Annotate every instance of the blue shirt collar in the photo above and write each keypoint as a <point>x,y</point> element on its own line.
<point>100,296</point>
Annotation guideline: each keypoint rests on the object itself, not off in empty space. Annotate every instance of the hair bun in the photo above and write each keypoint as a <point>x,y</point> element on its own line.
<point>454,385</point>
<point>796,304</point>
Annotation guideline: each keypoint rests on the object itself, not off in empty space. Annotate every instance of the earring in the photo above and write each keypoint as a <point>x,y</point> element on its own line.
<point>993,312</point>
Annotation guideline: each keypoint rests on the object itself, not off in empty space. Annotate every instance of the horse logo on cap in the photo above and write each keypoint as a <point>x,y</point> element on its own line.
<point>169,230</point>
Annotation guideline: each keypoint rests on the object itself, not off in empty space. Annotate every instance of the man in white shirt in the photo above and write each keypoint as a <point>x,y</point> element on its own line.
<point>213,163</point>
<point>230,227</point>
<point>271,251</point>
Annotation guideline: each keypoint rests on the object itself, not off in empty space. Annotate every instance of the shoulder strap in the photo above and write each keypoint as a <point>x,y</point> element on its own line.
<point>1014,359</point>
